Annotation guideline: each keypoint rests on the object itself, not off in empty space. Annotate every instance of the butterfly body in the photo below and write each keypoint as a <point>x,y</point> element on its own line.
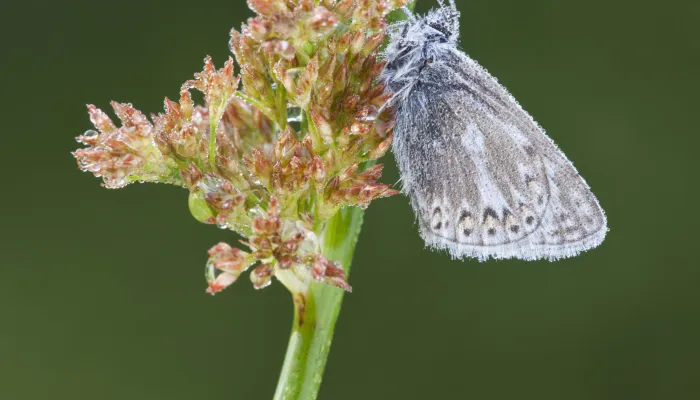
<point>484,179</point>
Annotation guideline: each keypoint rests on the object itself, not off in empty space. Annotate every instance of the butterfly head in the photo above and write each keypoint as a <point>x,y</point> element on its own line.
<point>415,42</point>
<point>442,24</point>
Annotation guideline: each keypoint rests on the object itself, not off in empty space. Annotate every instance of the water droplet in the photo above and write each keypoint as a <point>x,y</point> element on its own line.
<point>262,284</point>
<point>294,114</point>
<point>87,137</point>
<point>198,206</point>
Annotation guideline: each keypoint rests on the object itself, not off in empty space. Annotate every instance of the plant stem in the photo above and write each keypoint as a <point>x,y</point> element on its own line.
<point>316,312</point>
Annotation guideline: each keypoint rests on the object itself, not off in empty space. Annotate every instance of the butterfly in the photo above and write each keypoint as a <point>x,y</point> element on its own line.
<point>483,178</point>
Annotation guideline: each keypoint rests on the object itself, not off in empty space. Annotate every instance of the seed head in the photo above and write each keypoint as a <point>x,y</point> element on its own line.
<point>276,149</point>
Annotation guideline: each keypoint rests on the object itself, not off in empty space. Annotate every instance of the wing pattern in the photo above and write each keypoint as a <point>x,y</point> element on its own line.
<point>483,177</point>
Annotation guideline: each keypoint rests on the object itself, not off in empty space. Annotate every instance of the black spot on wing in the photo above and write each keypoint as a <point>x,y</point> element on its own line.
<point>506,213</point>
<point>490,212</point>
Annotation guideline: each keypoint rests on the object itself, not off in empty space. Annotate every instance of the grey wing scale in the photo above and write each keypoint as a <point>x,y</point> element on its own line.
<point>504,189</point>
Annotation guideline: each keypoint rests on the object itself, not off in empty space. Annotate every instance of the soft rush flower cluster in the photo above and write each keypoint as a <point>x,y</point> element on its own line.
<point>276,150</point>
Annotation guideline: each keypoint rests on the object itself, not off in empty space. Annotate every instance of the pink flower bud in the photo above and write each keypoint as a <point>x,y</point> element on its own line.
<point>221,282</point>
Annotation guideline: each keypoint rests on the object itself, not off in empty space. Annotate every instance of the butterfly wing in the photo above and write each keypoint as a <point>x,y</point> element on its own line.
<point>483,177</point>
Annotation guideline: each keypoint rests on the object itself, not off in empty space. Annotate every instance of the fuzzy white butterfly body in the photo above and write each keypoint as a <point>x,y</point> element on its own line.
<point>483,177</point>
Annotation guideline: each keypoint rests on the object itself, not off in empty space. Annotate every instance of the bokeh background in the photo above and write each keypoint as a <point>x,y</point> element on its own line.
<point>102,292</point>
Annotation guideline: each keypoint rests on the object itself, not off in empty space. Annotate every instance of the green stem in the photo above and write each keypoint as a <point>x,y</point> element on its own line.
<point>260,106</point>
<point>316,312</point>
<point>212,144</point>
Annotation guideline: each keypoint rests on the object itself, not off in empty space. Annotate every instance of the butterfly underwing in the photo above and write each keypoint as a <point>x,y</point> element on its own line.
<point>483,178</point>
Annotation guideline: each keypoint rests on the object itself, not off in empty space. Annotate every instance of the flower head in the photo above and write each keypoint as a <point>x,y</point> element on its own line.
<point>276,149</point>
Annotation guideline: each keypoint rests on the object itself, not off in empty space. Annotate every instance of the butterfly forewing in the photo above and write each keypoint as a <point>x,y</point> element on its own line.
<point>484,179</point>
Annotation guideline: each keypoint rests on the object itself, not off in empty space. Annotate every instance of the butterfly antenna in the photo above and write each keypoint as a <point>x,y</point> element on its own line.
<point>386,105</point>
<point>409,14</point>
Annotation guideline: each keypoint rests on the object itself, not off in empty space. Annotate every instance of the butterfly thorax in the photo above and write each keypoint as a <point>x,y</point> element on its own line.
<point>414,45</point>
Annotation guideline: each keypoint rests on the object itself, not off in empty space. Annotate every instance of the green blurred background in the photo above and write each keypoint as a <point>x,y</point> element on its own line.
<point>102,292</point>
